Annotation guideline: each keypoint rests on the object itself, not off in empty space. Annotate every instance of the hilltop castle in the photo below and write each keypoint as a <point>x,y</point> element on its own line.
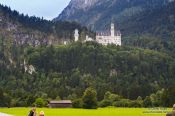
<point>104,38</point>
<point>113,37</point>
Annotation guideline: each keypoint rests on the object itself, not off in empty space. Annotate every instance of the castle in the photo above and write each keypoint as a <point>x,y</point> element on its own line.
<point>113,37</point>
<point>104,38</point>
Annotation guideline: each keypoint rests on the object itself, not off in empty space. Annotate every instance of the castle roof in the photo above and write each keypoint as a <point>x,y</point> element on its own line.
<point>107,33</point>
<point>61,102</point>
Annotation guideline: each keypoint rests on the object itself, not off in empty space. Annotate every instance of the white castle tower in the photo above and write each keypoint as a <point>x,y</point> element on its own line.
<point>76,35</point>
<point>112,30</point>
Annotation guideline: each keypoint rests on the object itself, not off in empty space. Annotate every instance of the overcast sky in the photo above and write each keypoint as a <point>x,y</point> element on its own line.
<point>47,9</point>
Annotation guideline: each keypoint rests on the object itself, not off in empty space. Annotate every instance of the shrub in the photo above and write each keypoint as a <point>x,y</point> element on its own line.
<point>39,102</point>
<point>122,103</point>
<point>78,103</point>
<point>90,99</point>
<point>135,104</point>
<point>147,102</point>
<point>105,103</point>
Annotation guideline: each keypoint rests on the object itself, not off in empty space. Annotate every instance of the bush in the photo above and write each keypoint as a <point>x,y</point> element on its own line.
<point>147,102</point>
<point>78,103</point>
<point>122,103</point>
<point>21,103</point>
<point>105,103</point>
<point>135,104</point>
<point>39,102</point>
<point>112,97</point>
<point>90,99</point>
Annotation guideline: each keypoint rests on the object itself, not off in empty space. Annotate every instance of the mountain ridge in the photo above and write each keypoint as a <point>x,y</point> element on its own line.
<point>103,12</point>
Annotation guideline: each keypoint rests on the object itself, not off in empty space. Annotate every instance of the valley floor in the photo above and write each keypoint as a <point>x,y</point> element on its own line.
<point>82,112</point>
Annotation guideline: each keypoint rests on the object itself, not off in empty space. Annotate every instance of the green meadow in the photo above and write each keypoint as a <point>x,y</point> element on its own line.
<point>83,112</point>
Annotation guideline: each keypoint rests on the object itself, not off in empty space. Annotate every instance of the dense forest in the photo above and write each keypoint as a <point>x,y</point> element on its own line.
<point>153,29</point>
<point>65,72</point>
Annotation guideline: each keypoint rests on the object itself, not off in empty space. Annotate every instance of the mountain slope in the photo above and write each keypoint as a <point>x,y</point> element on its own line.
<point>66,71</point>
<point>99,13</point>
<point>151,21</point>
<point>154,29</point>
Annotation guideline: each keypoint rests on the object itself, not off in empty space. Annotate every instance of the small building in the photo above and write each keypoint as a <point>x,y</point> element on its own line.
<point>88,39</point>
<point>60,104</point>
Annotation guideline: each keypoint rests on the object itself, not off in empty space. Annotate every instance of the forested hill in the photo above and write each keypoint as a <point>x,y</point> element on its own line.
<point>154,29</point>
<point>66,71</point>
<point>22,29</point>
<point>159,22</point>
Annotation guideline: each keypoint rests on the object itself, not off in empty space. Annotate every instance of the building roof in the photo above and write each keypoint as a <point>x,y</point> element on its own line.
<point>107,33</point>
<point>61,102</point>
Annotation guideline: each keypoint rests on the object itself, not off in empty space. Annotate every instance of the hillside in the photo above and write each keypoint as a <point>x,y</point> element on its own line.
<point>66,71</point>
<point>160,22</point>
<point>25,30</point>
<point>100,13</point>
<point>152,29</point>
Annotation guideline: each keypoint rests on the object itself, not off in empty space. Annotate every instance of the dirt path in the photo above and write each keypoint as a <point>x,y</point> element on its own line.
<point>2,114</point>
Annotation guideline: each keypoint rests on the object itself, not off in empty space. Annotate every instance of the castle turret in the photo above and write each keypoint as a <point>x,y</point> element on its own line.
<point>76,35</point>
<point>112,30</point>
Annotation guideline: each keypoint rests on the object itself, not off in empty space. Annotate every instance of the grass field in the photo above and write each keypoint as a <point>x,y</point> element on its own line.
<point>82,112</point>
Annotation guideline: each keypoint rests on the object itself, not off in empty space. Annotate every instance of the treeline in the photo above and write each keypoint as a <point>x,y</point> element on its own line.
<point>162,98</point>
<point>65,72</point>
<point>89,99</point>
<point>151,42</point>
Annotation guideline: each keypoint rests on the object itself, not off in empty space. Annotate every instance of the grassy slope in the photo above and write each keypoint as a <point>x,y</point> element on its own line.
<point>81,112</point>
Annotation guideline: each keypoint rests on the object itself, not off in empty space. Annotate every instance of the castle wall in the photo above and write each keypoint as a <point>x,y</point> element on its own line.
<point>105,40</point>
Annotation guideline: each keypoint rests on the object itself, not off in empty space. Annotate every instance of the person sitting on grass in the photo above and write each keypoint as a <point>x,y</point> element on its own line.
<point>172,113</point>
<point>41,113</point>
<point>32,112</point>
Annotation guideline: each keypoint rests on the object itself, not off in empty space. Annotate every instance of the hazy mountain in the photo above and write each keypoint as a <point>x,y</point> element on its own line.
<point>97,14</point>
